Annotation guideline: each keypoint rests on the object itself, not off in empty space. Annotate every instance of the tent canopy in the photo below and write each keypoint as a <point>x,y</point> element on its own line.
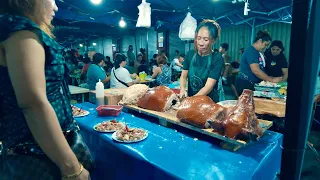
<point>83,17</point>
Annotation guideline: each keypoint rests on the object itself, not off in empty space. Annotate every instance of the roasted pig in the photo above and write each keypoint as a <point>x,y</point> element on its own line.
<point>197,110</point>
<point>241,122</point>
<point>159,99</point>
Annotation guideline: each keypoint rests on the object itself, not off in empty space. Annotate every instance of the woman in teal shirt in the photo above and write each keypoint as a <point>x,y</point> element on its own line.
<point>252,64</point>
<point>202,66</point>
<point>96,72</point>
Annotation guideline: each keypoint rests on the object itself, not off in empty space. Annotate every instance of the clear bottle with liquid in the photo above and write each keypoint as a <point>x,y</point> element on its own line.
<point>99,93</point>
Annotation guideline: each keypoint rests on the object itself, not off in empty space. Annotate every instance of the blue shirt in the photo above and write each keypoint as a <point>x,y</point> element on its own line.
<point>95,73</point>
<point>250,56</point>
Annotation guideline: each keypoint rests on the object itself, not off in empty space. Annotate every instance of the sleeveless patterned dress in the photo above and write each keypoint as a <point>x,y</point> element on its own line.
<point>13,126</point>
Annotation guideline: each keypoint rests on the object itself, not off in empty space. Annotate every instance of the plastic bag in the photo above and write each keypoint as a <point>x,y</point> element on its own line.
<point>144,19</point>
<point>188,28</point>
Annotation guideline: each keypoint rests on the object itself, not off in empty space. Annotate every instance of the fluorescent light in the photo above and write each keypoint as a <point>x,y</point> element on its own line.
<point>94,44</point>
<point>81,45</point>
<point>122,23</point>
<point>96,1</point>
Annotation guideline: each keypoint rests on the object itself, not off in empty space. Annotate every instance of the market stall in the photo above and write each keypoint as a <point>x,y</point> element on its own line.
<point>168,153</point>
<point>216,142</point>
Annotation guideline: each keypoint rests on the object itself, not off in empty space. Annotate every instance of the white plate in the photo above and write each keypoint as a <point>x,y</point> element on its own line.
<point>86,113</point>
<point>114,137</point>
<point>105,131</point>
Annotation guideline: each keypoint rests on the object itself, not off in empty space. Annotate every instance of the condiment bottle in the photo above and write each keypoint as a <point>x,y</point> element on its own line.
<point>99,93</point>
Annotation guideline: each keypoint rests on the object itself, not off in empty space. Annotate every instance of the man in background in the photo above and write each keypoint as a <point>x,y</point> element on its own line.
<point>131,56</point>
<point>177,63</point>
<point>224,47</point>
<point>91,53</point>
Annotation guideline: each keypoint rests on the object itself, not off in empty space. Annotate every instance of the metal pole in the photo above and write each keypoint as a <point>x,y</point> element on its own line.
<point>102,46</point>
<point>277,20</point>
<point>147,50</point>
<point>252,30</point>
<point>135,43</point>
<point>303,71</point>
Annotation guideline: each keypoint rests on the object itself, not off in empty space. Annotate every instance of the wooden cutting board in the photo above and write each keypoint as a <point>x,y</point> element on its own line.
<point>170,117</point>
<point>271,107</point>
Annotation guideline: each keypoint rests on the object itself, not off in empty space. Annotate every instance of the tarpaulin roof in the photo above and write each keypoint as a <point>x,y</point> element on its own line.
<point>166,14</point>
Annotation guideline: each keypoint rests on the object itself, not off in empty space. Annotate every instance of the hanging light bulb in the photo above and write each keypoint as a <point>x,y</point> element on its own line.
<point>81,45</point>
<point>96,1</point>
<point>94,44</point>
<point>122,23</point>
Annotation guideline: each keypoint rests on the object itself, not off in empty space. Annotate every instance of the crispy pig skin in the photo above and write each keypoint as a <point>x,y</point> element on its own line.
<point>241,122</point>
<point>197,110</point>
<point>157,99</point>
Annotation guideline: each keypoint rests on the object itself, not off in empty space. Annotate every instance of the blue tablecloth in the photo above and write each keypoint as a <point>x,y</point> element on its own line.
<point>174,85</point>
<point>169,154</point>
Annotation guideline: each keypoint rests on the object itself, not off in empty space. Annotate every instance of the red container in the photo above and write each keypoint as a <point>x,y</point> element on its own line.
<point>177,91</point>
<point>109,110</point>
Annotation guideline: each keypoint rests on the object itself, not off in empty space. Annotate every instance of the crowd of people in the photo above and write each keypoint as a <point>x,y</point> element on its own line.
<point>257,63</point>
<point>94,66</point>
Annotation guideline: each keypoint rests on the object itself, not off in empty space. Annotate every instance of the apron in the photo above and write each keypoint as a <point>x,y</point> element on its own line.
<point>197,78</point>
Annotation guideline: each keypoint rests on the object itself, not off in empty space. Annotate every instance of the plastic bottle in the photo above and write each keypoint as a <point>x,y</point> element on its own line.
<point>99,93</point>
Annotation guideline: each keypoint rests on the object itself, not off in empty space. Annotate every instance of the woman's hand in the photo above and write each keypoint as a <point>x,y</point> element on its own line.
<point>137,80</point>
<point>276,79</point>
<point>183,94</point>
<point>134,75</point>
<point>85,175</point>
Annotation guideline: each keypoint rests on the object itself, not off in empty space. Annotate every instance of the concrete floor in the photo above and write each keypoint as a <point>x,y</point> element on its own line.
<point>311,166</point>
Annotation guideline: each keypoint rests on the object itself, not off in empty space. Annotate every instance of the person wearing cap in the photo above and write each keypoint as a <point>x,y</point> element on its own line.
<point>276,62</point>
<point>96,72</point>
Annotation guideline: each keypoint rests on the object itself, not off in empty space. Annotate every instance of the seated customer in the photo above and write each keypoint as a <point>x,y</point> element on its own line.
<point>108,64</point>
<point>71,61</point>
<point>153,63</point>
<point>178,63</point>
<point>86,62</point>
<point>120,76</point>
<point>143,67</point>
<point>96,72</point>
<point>137,63</point>
<point>163,72</point>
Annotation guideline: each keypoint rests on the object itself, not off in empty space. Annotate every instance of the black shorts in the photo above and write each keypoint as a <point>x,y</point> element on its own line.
<point>231,79</point>
<point>242,84</point>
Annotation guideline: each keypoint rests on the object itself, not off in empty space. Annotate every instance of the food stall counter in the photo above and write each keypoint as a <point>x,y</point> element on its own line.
<point>170,154</point>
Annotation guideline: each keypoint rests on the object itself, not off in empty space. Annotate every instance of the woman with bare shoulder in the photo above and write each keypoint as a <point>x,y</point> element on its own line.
<point>36,121</point>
